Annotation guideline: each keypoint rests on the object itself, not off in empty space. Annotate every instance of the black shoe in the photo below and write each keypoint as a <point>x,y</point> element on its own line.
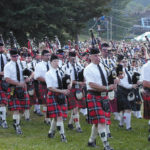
<point>93,144</point>
<point>108,148</point>
<point>4,125</point>
<point>109,135</point>
<point>35,111</point>
<point>17,128</point>
<point>129,129</point>
<point>79,130</point>
<point>149,138</point>
<point>27,119</point>
<point>149,130</point>
<point>63,138</point>
<point>70,126</point>
<point>120,126</point>
<point>51,135</point>
<point>39,113</point>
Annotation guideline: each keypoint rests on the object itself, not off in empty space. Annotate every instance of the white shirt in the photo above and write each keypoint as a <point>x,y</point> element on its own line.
<point>51,78</point>
<point>10,71</point>
<point>124,82</point>
<point>41,69</point>
<point>146,71</point>
<point>92,74</point>
<point>68,69</point>
<point>4,59</point>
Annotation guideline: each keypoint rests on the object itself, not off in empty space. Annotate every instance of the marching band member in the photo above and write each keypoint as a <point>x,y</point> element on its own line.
<point>56,100</point>
<point>146,86</point>
<point>40,71</point>
<point>3,96</point>
<point>97,86</point>
<point>73,68</point>
<point>18,98</point>
<point>124,105</point>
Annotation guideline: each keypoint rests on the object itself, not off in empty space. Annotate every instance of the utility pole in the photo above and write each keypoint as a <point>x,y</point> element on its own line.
<point>111,28</point>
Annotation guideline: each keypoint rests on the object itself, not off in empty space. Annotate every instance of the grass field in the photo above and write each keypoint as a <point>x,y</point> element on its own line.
<point>35,136</point>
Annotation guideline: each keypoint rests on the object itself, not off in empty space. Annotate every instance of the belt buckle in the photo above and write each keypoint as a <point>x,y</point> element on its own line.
<point>76,86</point>
<point>103,94</point>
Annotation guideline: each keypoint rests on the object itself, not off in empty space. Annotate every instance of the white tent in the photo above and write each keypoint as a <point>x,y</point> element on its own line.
<point>142,37</point>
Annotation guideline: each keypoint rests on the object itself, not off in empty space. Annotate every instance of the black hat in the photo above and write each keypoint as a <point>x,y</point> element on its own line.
<point>94,51</point>
<point>1,40</point>
<point>53,57</point>
<point>105,45</point>
<point>119,69</point>
<point>72,54</point>
<point>120,57</point>
<point>44,52</point>
<point>13,51</point>
<point>59,51</point>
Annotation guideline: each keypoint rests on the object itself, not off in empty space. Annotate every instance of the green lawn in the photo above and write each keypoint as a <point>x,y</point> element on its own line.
<point>35,136</point>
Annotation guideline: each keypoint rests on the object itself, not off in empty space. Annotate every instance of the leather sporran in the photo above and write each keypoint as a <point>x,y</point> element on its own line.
<point>60,98</point>
<point>19,92</point>
<point>4,85</point>
<point>105,105</point>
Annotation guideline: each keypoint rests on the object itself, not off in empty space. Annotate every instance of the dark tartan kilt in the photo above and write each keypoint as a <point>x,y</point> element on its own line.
<point>73,102</point>
<point>42,93</point>
<point>55,110</point>
<point>96,114</point>
<point>3,96</point>
<point>146,113</point>
<point>122,102</point>
<point>18,104</point>
<point>113,105</point>
<point>33,99</point>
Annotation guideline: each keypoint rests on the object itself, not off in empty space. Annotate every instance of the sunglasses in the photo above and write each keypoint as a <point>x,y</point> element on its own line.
<point>14,56</point>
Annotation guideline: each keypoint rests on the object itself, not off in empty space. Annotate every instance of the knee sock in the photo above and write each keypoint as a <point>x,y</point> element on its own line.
<point>53,126</point>
<point>60,127</point>
<point>127,120</point>
<point>94,133</point>
<point>107,129</point>
<point>3,113</point>
<point>103,134</point>
<point>71,118</point>
<point>27,114</point>
<point>16,118</point>
<point>76,120</point>
<point>121,123</point>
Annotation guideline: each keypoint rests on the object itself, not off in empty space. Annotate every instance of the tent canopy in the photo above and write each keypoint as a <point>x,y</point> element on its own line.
<point>142,37</point>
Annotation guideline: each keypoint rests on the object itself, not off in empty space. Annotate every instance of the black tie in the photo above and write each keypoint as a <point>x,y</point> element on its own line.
<point>2,63</point>
<point>75,72</point>
<point>18,72</point>
<point>129,78</point>
<point>47,66</point>
<point>102,76</point>
<point>59,80</point>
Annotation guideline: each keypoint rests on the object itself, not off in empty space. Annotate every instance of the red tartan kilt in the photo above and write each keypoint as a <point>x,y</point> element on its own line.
<point>146,113</point>
<point>73,102</point>
<point>33,99</point>
<point>18,104</point>
<point>55,110</point>
<point>42,93</point>
<point>113,105</point>
<point>3,96</point>
<point>95,112</point>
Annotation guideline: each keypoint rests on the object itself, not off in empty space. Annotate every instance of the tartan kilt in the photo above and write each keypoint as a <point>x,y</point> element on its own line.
<point>3,96</point>
<point>42,93</point>
<point>18,104</point>
<point>55,110</point>
<point>33,99</point>
<point>146,113</point>
<point>73,102</point>
<point>96,114</point>
<point>113,105</point>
